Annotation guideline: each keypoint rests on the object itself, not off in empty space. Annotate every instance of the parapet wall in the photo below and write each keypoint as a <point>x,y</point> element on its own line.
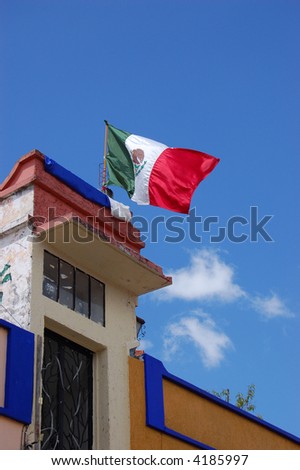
<point>168,413</point>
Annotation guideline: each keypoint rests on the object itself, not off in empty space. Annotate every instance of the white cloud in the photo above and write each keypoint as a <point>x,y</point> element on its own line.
<point>271,306</point>
<point>199,329</point>
<point>206,277</point>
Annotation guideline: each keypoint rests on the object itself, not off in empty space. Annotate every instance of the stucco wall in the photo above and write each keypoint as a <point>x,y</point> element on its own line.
<point>110,343</point>
<point>197,418</point>
<point>16,250</point>
<point>10,434</point>
<point>112,257</point>
<point>141,436</point>
<point>15,208</point>
<point>219,427</point>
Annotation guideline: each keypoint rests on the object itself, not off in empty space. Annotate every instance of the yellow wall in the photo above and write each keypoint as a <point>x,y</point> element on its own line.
<point>197,418</point>
<point>141,436</point>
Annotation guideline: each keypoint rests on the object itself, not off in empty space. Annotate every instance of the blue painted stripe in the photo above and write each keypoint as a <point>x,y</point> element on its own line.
<point>79,185</point>
<point>189,440</point>
<point>155,415</point>
<point>19,374</point>
<point>155,372</point>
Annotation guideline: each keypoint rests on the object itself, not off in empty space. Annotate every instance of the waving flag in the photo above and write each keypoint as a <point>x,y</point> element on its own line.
<point>153,173</point>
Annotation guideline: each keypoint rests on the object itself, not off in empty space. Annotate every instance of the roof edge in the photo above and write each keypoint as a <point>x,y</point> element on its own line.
<point>12,182</point>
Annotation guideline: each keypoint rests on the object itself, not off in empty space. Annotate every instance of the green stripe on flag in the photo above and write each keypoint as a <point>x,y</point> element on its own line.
<point>119,163</point>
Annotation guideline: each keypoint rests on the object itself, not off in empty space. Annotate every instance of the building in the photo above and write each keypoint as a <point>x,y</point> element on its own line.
<point>71,274</point>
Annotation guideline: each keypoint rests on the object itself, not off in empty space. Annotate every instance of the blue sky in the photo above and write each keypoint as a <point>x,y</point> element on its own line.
<point>220,76</point>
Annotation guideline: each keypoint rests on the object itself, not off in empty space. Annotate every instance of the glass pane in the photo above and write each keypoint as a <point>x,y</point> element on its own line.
<point>97,301</point>
<point>50,280</point>
<point>82,293</point>
<point>66,284</point>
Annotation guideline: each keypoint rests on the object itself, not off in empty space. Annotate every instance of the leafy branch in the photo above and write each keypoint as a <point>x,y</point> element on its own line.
<point>244,402</point>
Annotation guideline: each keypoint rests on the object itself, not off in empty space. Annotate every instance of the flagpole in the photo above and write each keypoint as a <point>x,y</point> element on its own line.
<point>104,189</point>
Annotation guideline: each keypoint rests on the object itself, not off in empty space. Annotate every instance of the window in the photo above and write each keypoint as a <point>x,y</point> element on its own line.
<point>82,293</point>
<point>96,305</point>
<point>73,288</point>
<point>67,409</point>
<point>66,284</point>
<point>50,281</point>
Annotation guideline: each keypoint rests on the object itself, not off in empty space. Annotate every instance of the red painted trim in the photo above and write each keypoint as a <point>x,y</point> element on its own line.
<point>68,218</point>
<point>23,173</point>
<point>52,196</point>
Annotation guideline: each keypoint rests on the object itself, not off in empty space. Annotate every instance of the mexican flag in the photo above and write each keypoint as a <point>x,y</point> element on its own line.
<point>153,173</point>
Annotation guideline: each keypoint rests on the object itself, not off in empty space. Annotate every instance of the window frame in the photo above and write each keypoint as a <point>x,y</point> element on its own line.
<point>58,287</point>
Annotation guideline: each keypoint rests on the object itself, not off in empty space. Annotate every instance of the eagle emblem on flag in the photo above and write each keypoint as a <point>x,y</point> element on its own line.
<point>138,158</point>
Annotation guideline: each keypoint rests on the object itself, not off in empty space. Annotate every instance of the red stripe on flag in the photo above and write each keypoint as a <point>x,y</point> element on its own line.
<point>175,176</point>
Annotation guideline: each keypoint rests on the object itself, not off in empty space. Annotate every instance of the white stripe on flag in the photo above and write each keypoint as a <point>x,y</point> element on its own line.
<point>119,210</point>
<point>143,163</point>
